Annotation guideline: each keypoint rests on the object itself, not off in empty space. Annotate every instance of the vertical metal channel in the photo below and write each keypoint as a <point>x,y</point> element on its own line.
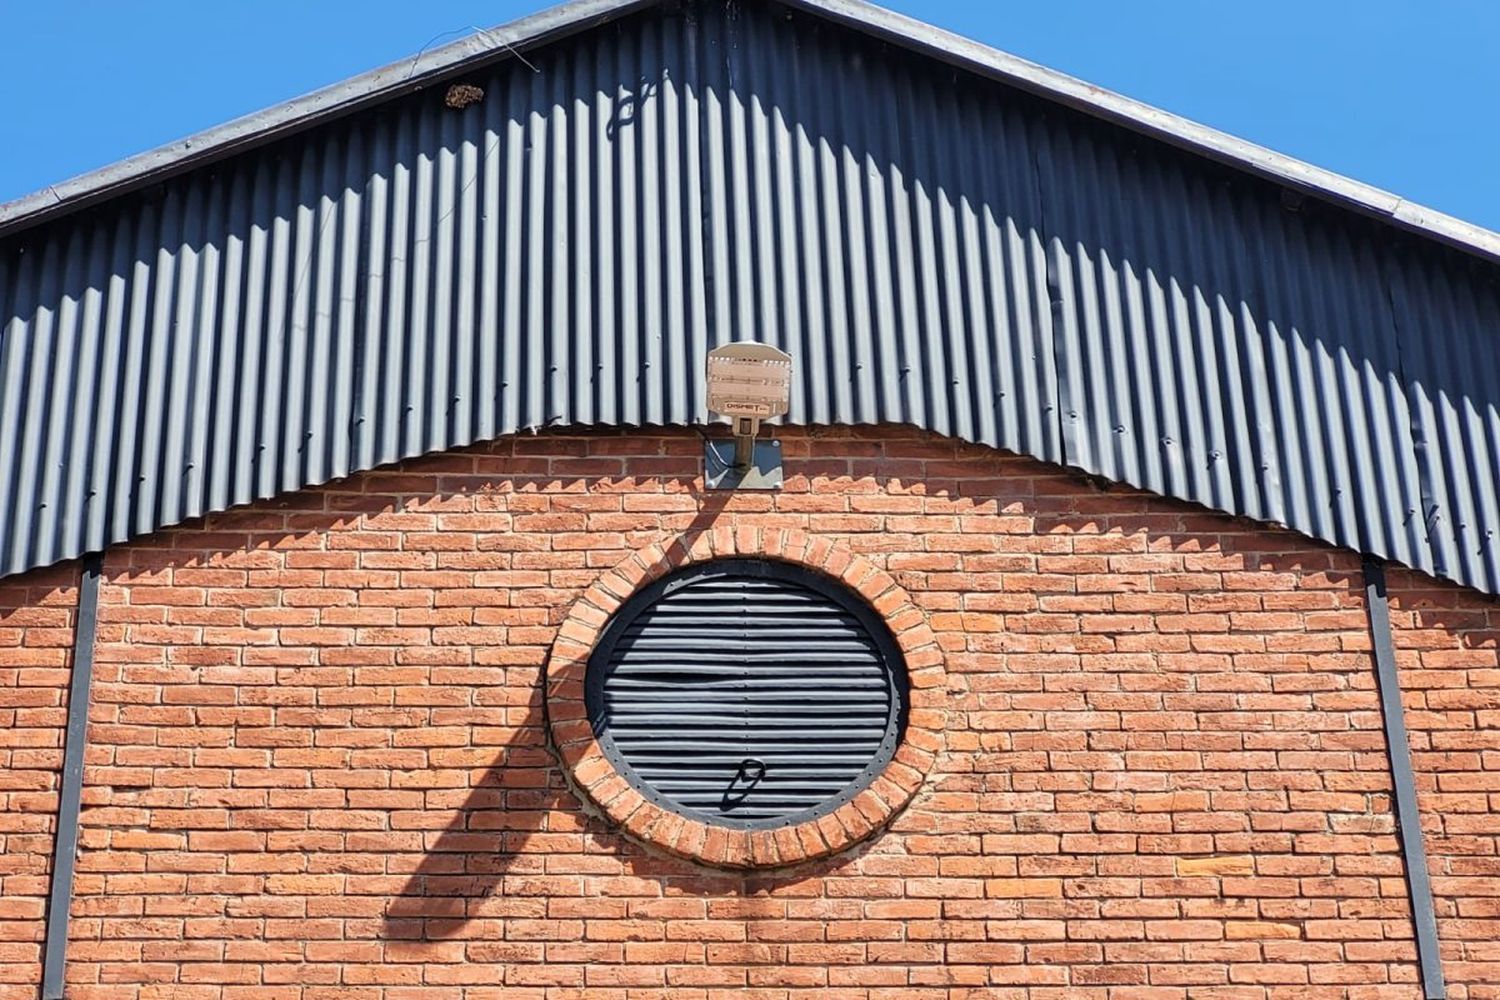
<point>65,845</point>
<point>1408,819</point>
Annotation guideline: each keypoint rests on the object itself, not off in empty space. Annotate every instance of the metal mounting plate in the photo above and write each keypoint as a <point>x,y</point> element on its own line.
<point>763,473</point>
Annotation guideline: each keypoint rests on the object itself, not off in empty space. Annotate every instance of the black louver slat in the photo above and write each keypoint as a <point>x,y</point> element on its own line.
<point>747,693</point>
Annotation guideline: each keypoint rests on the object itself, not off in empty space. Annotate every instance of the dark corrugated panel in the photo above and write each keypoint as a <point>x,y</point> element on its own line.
<point>747,693</point>
<point>1449,353</point>
<point>1219,348</point>
<point>933,249</point>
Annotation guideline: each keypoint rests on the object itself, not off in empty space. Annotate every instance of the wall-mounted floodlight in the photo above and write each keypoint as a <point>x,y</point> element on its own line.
<point>747,383</point>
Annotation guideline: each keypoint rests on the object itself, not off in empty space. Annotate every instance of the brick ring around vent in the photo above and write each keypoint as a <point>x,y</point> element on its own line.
<point>594,776</point>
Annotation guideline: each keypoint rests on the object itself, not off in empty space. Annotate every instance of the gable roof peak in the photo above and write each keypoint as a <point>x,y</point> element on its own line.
<point>514,38</point>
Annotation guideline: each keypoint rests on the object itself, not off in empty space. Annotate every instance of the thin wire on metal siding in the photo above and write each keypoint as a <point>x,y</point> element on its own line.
<point>932,249</point>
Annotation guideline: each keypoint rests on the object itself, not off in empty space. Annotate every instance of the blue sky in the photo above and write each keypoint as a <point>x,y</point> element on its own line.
<point>1401,94</point>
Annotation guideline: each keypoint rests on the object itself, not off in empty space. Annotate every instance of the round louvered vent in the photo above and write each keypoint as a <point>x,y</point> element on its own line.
<point>747,693</point>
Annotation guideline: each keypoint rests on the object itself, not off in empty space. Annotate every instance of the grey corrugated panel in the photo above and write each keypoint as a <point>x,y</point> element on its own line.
<point>1447,321</point>
<point>1219,348</point>
<point>1097,102</point>
<point>394,80</point>
<point>933,248</point>
<point>518,36</point>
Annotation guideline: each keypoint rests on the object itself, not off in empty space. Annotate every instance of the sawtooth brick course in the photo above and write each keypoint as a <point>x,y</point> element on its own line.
<point>319,768</point>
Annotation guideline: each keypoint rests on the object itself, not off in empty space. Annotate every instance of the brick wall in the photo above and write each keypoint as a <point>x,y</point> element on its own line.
<point>36,642</point>
<point>1446,647</point>
<point>318,768</point>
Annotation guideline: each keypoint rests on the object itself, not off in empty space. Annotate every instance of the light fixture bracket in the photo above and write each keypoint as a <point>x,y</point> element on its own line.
<point>760,471</point>
<point>747,383</point>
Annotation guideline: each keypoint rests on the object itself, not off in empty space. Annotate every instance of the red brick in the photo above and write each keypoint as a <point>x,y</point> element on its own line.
<point>1153,763</point>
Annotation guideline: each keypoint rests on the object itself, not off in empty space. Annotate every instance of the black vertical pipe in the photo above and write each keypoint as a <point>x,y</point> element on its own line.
<point>65,845</point>
<point>1408,818</point>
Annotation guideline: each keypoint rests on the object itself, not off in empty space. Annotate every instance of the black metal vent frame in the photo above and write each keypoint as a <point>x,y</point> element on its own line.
<point>648,597</point>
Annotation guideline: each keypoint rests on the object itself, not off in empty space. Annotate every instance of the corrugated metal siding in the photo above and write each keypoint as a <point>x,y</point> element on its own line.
<point>932,248</point>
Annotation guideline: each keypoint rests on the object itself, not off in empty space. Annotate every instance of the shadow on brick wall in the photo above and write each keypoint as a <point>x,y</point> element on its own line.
<point>524,845</point>
<point>479,827</point>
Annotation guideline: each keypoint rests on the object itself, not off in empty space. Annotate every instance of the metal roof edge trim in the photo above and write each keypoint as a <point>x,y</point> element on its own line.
<point>406,75</point>
<point>1184,133</point>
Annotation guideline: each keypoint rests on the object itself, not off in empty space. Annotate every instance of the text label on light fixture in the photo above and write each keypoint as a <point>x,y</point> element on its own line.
<point>748,383</point>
